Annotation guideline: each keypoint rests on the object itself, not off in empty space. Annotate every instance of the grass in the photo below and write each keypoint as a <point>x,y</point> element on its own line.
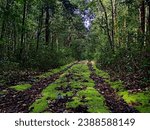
<point>21,87</point>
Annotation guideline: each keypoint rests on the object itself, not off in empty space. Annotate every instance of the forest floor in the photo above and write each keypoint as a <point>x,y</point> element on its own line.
<point>75,88</point>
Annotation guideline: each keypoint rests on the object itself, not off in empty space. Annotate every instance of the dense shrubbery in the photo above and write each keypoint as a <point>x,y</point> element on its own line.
<point>131,66</point>
<point>124,60</point>
<point>44,59</point>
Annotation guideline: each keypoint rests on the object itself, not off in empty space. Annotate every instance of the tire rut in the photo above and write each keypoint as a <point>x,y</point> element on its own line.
<point>14,102</point>
<point>114,102</point>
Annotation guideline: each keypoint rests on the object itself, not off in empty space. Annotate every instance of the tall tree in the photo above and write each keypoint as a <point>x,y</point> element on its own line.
<point>22,44</point>
<point>142,17</point>
<point>100,3</point>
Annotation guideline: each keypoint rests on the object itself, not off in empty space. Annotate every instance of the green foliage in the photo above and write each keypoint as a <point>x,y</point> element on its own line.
<point>33,53</point>
<point>8,65</point>
<point>21,87</point>
<point>46,59</point>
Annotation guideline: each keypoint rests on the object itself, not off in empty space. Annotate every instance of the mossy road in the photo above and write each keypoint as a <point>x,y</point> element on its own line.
<point>75,88</point>
<point>18,98</point>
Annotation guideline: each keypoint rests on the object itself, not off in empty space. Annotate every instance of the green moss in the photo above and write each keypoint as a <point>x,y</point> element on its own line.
<point>81,76</point>
<point>21,87</point>
<point>90,84</point>
<point>2,93</point>
<point>143,109</point>
<point>39,105</point>
<point>89,92</point>
<point>74,104</point>
<point>45,75</point>
<point>2,82</point>
<point>49,93</point>
<point>129,98</point>
<point>62,79</point>
<point>101,73</point>
<point>118,85</point>
<point>51,72</point>
<point>96,105</point>
<point>69,94</point>
<point>75,85</point>
<point>141,99</point>
<point>94,100</point>
<point>79,81</point>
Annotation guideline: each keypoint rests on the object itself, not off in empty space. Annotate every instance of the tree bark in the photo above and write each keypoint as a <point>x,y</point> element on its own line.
<point>47,31</point>
<point>142,16</point>
<point>148,25</point>
<point>39,28</point>
<point>23,29</point>
<point>113,22</point>
<point>107,25</point>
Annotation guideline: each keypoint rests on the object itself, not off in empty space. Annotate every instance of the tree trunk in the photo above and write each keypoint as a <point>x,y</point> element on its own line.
<point>39,28</point>
<point>113,22</point>
<point>142,16</point>
<point>23,29</point>
<point>4,19</point>
<point>148,25</point>
<point>47,31</point>
<point>107,25</point>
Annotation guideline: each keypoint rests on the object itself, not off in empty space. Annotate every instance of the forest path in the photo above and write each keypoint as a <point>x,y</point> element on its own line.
<point>115,103</point>
<point>80,90</point>
<point>75,88</point>
<point>19,101</point>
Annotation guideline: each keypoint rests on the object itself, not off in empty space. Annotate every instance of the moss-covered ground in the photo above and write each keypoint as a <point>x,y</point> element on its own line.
<point>21,87</point>
<point>76,84</point>
<point>25,86</point>
<point>76,91</point>
<point>51,72</point>
<point>139,100</point>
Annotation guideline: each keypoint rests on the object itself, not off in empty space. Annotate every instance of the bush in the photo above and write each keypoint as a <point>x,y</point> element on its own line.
<point>8,65</point>
<point>46,59</point>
